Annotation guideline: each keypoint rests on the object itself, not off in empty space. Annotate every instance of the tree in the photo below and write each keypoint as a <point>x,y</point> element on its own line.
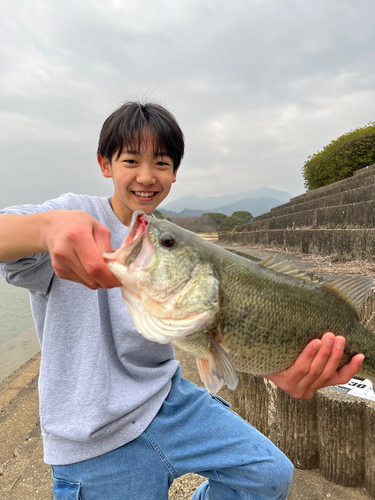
<point>158,214</point>
<point>341,158</point>
<point>218,218</point>
<point>230,222</point>
<point>245,216</point>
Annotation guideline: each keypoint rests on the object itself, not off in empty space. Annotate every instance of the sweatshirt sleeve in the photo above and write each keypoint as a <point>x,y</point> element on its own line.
<point>33,272</point>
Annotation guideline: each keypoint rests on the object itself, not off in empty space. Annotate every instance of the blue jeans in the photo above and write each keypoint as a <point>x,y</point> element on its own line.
<point>193,432</point>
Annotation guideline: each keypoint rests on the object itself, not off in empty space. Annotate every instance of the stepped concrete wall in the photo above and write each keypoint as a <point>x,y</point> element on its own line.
<point>336,219</point>
<point>353,215</point>
<point>360,178</point>
<point>347,244</point>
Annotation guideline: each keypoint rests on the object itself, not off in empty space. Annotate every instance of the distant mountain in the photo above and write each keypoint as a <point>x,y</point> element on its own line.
<point>184,213</point>
<point>254,206</point>
<point>212,202</point>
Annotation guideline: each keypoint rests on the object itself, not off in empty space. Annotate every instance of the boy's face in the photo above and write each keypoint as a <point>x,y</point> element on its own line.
<point>142,179</point>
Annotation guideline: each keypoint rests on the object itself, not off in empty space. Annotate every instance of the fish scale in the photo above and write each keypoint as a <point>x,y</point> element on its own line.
<point>229,312</point>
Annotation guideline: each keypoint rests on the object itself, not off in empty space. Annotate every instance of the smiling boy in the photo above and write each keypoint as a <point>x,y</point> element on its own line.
<point>117,419</point>
<point>143,168</point>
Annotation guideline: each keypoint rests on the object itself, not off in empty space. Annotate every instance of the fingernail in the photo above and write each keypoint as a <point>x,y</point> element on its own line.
<point>329,342</point>
<point>340,344</point>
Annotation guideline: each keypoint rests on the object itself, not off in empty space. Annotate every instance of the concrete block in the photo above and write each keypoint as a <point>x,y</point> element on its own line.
<point>341,437</point>
<point>332,431</point>
<point>369,447</point>
<point>298,430</point>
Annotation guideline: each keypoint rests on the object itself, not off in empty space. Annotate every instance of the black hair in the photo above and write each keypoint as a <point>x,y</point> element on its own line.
<point>126,127</point>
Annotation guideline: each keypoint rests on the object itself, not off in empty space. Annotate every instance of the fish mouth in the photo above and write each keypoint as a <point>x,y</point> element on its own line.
<point>138,227</point>
<point>136,252</point>
<point>136,236</point>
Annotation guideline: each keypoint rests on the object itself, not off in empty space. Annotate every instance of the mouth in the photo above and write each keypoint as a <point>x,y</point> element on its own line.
<point>145,195</point>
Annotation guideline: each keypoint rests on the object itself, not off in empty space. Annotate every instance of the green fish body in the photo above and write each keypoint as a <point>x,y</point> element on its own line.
<point>232,314</point>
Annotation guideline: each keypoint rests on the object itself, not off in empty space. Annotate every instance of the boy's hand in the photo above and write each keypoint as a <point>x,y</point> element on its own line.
<point>75,241</point>
<point>316,367</point>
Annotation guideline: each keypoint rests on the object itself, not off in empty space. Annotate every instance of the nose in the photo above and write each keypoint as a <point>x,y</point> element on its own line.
<point>145,175</point>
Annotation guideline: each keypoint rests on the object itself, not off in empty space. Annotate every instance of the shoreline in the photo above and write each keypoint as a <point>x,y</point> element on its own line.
<point>17,351</point>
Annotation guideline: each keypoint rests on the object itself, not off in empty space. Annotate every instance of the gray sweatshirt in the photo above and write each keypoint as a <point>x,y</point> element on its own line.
<point>101,383</point>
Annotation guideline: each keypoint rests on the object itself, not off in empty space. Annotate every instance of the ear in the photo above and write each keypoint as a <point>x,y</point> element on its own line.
<point>105,166</point>
<point>174,177</point>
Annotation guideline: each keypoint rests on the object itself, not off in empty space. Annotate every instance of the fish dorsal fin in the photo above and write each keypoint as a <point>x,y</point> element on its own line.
<point>284,267</point>
<point>352,289</point>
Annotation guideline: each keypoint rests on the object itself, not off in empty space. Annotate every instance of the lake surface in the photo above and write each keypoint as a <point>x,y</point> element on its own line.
<point>18,340</point>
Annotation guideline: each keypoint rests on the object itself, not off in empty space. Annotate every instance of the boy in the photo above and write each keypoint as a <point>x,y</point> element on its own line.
<point>117,419</point>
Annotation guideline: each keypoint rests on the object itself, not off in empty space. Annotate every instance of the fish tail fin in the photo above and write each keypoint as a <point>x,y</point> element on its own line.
<point>217,370</point>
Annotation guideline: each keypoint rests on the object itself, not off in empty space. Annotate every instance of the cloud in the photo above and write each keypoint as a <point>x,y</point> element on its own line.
<point>257,87</point>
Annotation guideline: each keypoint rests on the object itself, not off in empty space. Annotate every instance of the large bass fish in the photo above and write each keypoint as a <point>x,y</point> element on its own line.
<point>232,314</point>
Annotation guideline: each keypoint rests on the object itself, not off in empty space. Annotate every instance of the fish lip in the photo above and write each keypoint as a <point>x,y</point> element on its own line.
<point>133,240</point>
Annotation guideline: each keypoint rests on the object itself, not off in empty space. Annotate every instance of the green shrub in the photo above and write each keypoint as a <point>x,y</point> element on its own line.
<point>341,158</point>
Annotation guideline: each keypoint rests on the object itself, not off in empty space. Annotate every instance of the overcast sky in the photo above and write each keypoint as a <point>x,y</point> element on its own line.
<point>256,85</point>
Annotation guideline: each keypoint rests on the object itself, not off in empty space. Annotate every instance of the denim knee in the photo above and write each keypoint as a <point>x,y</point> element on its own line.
<point>278,476</point>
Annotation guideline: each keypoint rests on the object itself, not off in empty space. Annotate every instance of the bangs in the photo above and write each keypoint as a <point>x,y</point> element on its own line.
<point>145,138</point>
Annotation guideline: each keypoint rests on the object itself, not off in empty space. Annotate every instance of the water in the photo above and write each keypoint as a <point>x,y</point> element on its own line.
<point>18,340</point>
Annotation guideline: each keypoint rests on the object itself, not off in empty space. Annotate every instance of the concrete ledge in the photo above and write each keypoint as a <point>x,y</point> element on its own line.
<point>348,244</point>
<point>363,193</point>
<point>360,177</point>
<point>355,215</point>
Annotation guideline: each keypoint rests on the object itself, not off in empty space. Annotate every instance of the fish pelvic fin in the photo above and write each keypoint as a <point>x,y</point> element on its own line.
<point>212,383</point>
<point>217,370</point>
<point>352,289</point>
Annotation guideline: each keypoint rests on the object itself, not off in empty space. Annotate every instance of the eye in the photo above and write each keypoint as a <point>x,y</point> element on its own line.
<point>167,240</point>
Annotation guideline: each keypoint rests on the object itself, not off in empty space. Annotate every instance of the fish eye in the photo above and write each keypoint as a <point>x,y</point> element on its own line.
<point>167,240</point>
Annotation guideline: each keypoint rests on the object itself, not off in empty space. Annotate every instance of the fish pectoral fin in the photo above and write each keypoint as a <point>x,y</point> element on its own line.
<point>217,370</point>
